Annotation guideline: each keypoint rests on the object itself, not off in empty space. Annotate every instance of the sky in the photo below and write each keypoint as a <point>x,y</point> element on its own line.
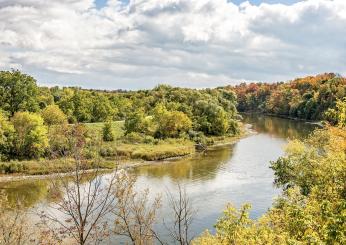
<point>136,44</point>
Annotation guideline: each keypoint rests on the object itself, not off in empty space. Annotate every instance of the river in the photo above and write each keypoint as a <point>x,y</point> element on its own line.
<point>237,173</point>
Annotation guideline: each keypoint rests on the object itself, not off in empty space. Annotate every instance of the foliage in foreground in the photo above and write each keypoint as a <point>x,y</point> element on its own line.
<point>312,209</point>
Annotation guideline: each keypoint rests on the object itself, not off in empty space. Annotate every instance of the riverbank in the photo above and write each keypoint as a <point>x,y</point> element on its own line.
<point>318,123</point>
<point>146,155</point>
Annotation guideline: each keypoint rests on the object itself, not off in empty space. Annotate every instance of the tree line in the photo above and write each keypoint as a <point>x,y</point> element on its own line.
<point>309,98</point>
<point>29,114</point>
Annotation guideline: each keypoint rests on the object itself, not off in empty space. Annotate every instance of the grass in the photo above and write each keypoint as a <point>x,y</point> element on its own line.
<point>162,150</point>
<point>47,166</point>
<point>117,128</point>
<point>149,152</point>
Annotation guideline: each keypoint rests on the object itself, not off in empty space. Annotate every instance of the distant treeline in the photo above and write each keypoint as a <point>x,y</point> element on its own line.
<point>27,111</point>
<point>307,98</point>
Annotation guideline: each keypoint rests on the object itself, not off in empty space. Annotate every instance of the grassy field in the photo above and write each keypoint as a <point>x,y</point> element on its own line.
<point>117,128</point>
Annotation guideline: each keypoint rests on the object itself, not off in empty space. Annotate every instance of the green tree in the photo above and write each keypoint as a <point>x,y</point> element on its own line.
<point>83,106</point>
<point>137,122</point>
<point>107,132</point>
<point>64,100</point>
<point>45,97</point>
<point>6,136</point>
<point>18,92</point>
<point>338,115</point>
<point>53,115</point>
<point>102,109</point>
<point>172,124</point>
<point>31,138</point>
<point>213,119</point>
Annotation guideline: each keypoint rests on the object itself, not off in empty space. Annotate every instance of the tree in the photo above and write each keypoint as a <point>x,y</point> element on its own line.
<point>83,106</point>
<point>307,98</point>
<point>6,137</point>
<point>311,209</point>
<point>338,115</point>
<point>53,115</point>
<point>134,214</point>
<point>64,100</point>
<point>86,202</point>
<point>213,119</point>
<point>45,97</point>
<point>183,216</point>
<point>14,225</point>
<point>31,138</point>
<point>18,92</point>
<point>102,109</point>
<point>137,122</point>
<point>107,132</point>
<point>172,123</point>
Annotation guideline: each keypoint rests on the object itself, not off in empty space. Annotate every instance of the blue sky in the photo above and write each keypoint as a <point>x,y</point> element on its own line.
<point>187,43</point>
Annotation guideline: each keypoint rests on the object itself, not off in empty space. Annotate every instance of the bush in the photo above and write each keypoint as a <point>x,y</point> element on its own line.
<point>11,167</point>
<point>108,151</point>
<point>107,132</point>
<point>198,137</point>
<point>133,138</point>
<point>150,140</point>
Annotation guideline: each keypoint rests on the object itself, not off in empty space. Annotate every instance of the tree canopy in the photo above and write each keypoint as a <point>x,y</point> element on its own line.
<point>306,98</point>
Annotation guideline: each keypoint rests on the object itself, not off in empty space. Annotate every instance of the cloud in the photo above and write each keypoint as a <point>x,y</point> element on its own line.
<point>191,43</point>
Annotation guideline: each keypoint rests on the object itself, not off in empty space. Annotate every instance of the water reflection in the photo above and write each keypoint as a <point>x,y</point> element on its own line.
<point>195,167</point>
<point>27,192</point>
<point>278,127</point>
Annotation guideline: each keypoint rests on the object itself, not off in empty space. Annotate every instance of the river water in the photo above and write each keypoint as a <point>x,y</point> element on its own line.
<point>237,173</point>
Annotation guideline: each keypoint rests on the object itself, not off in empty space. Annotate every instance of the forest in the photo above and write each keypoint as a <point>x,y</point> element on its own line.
<point>147,124</point>
<point>309,98</point>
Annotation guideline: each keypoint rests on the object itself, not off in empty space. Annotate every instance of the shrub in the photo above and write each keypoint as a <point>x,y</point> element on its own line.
<point>133,138</point>
<point>11,167</point>
<point>150,140</point>
<point>107,132</point>
<point>108,151</point>
<point>198,137</point>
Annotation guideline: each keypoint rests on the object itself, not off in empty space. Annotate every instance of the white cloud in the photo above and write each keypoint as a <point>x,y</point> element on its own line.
<point>195,43</point>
